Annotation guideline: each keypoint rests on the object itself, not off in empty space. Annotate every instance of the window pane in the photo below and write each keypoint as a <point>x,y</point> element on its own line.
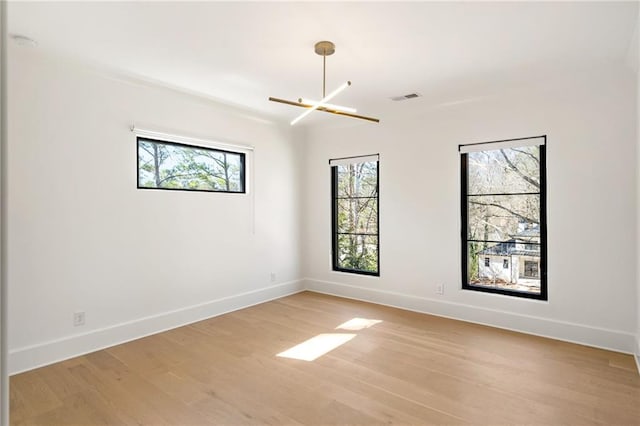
<point>355,217</point>
<point>358,180</point>
<point>500,171</point>
<point>358,252</point>
<point>504,217</point>
<point>503,266</point>
<point>358,215</point>
<point>172,166</point>
<point>503,214</point>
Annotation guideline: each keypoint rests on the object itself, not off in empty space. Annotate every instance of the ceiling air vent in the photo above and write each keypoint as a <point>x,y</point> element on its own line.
<point>405,97</point>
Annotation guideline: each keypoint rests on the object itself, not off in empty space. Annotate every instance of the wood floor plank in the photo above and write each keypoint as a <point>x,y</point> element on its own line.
<point>404,368</point>
<point>31,396</point>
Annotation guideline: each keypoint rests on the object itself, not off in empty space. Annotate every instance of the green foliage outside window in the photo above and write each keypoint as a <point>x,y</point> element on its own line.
<point>166,165</point>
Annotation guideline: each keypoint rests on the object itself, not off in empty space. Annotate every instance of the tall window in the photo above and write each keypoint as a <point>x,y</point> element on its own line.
<point>354,185</point>
<point>504,229</point>
<point>170,165</point>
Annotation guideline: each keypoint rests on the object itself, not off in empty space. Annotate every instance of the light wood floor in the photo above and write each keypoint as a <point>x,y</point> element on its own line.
<point>408,369</point>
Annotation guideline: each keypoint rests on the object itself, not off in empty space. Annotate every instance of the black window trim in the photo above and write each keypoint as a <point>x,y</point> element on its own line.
<point>334,216</point>
<point>543,296</point>
<point>242,155</point>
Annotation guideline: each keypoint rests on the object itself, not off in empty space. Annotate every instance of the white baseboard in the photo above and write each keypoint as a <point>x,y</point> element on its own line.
<point>571,332</point>
<point>27,358</point>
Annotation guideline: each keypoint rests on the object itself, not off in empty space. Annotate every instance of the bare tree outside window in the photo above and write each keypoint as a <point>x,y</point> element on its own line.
<point>167,165</point>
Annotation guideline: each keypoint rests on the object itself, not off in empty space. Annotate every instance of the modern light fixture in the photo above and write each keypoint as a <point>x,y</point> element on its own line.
<point>332,106</point>
<point>324,49</point>
<point>322,102</point>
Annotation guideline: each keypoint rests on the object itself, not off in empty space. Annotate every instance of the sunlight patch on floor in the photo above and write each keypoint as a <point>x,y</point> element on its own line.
<point>317,346</point>
<point>356,324</point>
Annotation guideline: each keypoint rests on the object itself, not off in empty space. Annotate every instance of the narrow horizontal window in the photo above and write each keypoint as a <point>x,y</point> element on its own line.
<point>504,229</point>
<point>171,165</point>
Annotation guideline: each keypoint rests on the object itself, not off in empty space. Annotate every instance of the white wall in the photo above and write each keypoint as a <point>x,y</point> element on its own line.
<point>637,348</point>
<point>634,59</point>
<point>590,124</point>
<point>4,376</point>
<point>83,238</point>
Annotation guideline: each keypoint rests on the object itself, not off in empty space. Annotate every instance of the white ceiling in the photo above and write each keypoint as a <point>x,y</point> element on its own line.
<point>242,53</point>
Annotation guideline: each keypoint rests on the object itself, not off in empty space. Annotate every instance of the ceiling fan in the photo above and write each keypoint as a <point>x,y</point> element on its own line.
<point>324,49</point>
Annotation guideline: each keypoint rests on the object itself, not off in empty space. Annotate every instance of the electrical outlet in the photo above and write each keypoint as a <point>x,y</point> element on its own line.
<point>78,319</point>
<point>440,289</point>
<point>273,277</point>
